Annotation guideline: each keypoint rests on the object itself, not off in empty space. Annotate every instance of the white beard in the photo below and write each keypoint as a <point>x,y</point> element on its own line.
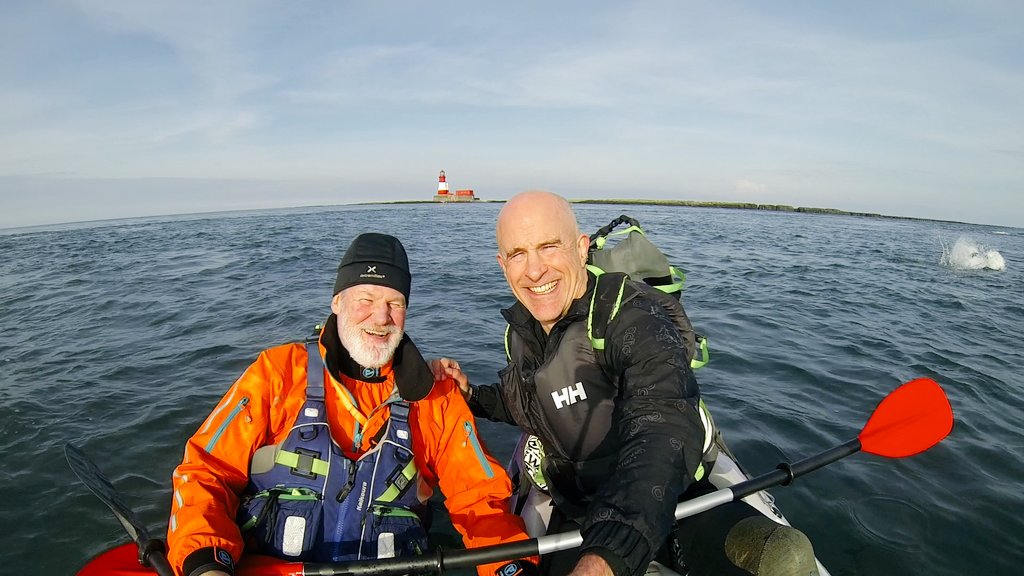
<point>368,353</point>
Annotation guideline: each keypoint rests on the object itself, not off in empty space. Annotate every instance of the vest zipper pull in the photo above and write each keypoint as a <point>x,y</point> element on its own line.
<point>348,483</point>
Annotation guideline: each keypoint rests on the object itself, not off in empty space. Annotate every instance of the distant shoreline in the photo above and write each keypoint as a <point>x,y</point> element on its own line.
<point>639,202</point>
<point>702,204</point>
<point>753,206</point>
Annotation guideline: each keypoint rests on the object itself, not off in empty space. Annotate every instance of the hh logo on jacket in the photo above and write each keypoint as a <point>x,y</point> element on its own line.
<point>569,395</point>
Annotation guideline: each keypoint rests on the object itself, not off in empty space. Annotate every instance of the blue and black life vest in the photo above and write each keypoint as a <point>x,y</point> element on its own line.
<point>307,502</point>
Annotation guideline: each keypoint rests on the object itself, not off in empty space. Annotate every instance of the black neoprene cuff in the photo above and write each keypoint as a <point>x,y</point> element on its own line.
<point>482,400</point>
<point>209,558</point>
<point>624,549</point>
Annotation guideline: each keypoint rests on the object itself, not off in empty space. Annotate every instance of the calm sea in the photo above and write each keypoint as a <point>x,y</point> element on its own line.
<point>121,336</point>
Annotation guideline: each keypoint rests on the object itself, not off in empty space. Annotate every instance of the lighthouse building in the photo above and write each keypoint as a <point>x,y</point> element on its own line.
<point>443,195</point>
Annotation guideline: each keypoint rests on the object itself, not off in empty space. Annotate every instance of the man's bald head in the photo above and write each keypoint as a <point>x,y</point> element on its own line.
<point>542,253</point>
<point>532,204</point>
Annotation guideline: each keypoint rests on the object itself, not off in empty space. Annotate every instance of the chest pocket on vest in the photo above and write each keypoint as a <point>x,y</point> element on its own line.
<point>395,532</point>
<point>286,520</point>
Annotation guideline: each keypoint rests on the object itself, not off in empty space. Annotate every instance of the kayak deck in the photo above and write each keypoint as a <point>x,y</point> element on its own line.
<point>123,560</point>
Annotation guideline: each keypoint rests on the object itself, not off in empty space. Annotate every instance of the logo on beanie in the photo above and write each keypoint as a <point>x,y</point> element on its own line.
<point>371,272</point>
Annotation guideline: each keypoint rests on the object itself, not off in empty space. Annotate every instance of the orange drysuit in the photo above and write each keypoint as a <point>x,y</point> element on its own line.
<point>262,405</point>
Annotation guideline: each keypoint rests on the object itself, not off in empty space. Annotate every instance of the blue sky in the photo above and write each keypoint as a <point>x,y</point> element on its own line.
<point>122,108</point>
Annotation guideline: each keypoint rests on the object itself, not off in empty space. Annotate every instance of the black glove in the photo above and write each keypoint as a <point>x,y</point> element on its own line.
<point>518,568</point>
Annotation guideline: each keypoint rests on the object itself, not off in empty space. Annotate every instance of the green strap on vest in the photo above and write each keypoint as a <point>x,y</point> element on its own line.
<point>399,483</point>
<point>393,512</point>
<point>302,463</point>
<point>605,290</point>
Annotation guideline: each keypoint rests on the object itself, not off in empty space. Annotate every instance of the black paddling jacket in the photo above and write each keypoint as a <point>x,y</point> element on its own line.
<point>622,434</point>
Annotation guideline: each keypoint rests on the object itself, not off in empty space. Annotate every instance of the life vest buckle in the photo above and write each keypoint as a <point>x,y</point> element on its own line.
<point>398,479</point>
<point>304,465</point>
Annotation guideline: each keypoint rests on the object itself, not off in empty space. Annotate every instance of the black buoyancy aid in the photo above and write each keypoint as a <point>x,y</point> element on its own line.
<point>568,401</point>
<point>307,502</point>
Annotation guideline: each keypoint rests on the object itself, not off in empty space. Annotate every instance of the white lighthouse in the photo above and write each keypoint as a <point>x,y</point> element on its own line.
<point>442,185</point>
<point>443,195</point>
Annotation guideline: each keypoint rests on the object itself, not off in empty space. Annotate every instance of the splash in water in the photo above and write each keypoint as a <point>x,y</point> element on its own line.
<point>966,254</point>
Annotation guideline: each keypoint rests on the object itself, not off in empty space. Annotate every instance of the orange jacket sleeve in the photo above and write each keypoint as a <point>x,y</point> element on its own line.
<point>215,467</point>
<point>476,487</point>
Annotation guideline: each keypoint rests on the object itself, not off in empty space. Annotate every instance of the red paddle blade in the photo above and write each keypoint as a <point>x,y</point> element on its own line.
<point>910,420</point>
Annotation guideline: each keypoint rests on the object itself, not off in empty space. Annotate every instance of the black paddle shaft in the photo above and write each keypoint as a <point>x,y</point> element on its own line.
<point>151,550</point>
<point>441,561</point>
